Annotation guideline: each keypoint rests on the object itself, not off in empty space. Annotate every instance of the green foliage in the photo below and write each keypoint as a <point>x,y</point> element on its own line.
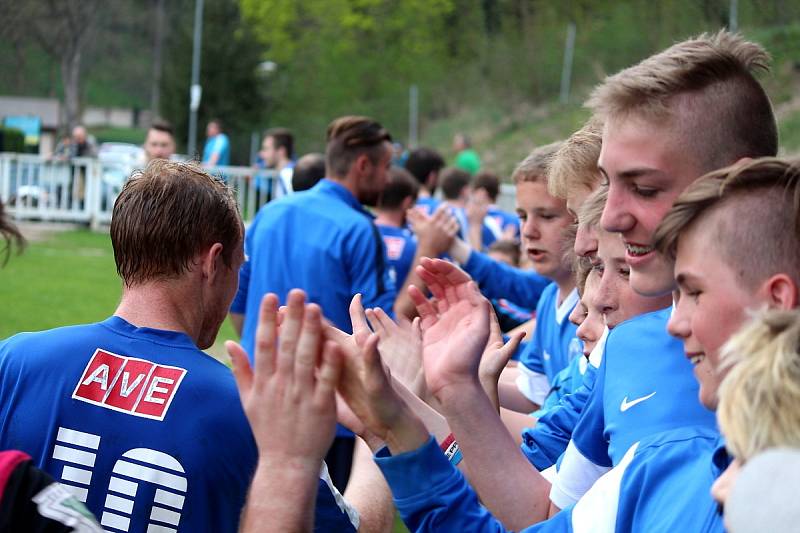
<point>12,140</point>
<point>121,135</point>
<point>233,89</point>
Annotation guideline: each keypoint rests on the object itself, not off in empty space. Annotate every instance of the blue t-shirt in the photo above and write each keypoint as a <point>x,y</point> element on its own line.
<point>427,204</point>
<point>661,485</point>
<point>139,423</point>
<point>645,385</point>
<point>554,344</point>
<point>495,224</point>
<point>401,246</point>
<point>218,144</point>
<point>322,241</point>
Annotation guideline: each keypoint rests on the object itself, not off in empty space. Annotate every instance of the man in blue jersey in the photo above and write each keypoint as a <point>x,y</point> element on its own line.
<point>325,242</point>
<point>129,414</point>
<point>390,217</point>
<point>500,224</point>
<point>425,165</point>
<point>217,150</point>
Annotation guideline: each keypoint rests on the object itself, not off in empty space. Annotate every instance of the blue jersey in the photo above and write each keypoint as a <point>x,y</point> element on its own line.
<point>220,145</point>
<point>662,484</point>
<point>554,344</point>
<point>499,280</point>
<point>140,424</point>
<point>644,386</point>
<point>495,224</point>
<point>322,241</point>
<point>401,246</point>
<point>544,443</point>
<point>427,204</point>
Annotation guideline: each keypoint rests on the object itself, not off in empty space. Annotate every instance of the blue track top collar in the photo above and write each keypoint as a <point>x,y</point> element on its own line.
<point>328,186</point>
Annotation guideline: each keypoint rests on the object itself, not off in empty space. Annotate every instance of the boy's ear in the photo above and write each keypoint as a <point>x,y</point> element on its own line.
<point>781,292</point>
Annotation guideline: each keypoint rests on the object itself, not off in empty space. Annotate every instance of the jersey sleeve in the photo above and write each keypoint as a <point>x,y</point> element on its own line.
<point>544,443</point>
<point>498,280</point>
<point>239,303</point>
<point>367,270</point>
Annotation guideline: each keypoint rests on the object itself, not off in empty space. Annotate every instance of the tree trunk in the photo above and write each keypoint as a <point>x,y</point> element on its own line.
<point>71,78</point>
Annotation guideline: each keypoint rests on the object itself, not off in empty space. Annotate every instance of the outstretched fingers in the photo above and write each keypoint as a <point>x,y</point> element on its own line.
<point>308,346</point>
<point>266,336</point>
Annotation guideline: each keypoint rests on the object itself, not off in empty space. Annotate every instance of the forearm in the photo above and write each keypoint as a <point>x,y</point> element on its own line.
<point>368,492</point>
<point>516,423</point>
<point>475,237</point>
<point>403,306</point>
<point>507,483</point>
<point>283,495</point>
<point>511,398</point>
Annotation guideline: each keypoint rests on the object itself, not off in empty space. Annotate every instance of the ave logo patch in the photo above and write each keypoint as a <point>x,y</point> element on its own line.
<point>129,385</point>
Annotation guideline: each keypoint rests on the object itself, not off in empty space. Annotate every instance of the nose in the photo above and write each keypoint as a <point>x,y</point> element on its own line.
<point>606,297</point>
<point>585,241</point>
<point>530,229</point>
<point>678,324</point>
<point>616,218</point>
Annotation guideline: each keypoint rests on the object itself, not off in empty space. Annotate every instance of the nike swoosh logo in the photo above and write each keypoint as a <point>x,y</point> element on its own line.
<point>625,405</point>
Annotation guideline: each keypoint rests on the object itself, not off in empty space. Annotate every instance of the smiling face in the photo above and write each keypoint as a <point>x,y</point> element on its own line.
<point>544,220</point>
<point>614,296</point>
<point>646,169</point>
<point>712,304</point>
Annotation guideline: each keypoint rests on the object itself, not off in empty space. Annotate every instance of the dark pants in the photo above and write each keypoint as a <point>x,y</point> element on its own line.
<point>340,460</point>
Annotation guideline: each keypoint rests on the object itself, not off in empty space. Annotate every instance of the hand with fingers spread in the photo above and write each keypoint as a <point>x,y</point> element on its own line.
<point>495,357</point>
<point>367,389</point>
<point>401,349</point>
<point>455,331</point>
<point>289,399</point>
<point>435,233</point>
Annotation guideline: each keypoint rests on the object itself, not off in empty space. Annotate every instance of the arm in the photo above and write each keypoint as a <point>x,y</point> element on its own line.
<point>368,492</point>
<point>287,385</point>
<point>454,337</point>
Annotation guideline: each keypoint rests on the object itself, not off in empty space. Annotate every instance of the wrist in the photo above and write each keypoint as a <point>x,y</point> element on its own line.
<point>460,251</point>
<point>408,433</point>
<point>458,395</point>
<point>288,467</point>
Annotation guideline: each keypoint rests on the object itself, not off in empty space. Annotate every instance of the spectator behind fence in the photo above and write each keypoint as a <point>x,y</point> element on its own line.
<point>277,152</point>
<point>308,170</point>
<point>217,150</point>
<point>159,143</point>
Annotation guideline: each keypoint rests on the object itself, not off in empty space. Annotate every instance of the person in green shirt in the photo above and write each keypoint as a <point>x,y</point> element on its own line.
<point>466,158</point>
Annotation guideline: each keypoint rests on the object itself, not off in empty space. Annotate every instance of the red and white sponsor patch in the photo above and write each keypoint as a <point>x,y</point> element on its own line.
<point>129,385</point>
<point>394,246</point>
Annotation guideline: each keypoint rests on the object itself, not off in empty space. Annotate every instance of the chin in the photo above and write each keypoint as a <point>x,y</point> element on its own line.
<point>708,399</point>
<point>651,285</point>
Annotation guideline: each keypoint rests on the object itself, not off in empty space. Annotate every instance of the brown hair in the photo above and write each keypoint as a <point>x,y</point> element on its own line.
<point>11,236</point>
<point>536,166</point>
<point>162,126</point>
<point>401,185</point>
<point>282,137</point>
<point>489,182</point>
<point>574,165</point>
<point>348,138</point>
<point>453,181</point>
<point>168,213</point>
<point>759,233</point>
<point>706,90</point>
<point>507,247</point>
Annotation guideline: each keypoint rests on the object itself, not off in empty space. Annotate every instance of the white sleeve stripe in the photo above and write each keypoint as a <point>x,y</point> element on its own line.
<point>575,477</point>
<point>596,512</point>
<point>352,512</point>
<point>533,385</point>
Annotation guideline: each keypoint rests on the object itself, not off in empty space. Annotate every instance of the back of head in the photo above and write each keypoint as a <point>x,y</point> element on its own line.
<point>282,138</point>
<point>758,398</point>
<point>165,216</point>
<point>751,211</point>
<point>308,170</point>
<point>348,138</point>
<point>401,185</point>
<point>574,165</point>
<point>508,248</point>
<point>489,182</point>
<point>422,162</point>
<point>536,167</point>
<point>702,89</point>
<point>453,181</point>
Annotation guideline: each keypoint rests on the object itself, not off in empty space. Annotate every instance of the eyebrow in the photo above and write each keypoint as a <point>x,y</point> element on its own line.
<point>684,277</point>
<point>633,173</point>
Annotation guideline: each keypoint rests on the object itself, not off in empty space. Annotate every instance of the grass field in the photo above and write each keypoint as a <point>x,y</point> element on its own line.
<point>65,277</point>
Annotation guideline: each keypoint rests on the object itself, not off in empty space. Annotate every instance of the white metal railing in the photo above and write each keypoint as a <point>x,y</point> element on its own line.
<point>84,189</point>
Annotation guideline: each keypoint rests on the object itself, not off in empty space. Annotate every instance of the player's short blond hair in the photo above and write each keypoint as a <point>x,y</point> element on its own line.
<point>536,167</point>
<point>758,398</point>
<point>751,209</point>
<point>574,165</point>
<point>702,89</point>
<point>592,208</point>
